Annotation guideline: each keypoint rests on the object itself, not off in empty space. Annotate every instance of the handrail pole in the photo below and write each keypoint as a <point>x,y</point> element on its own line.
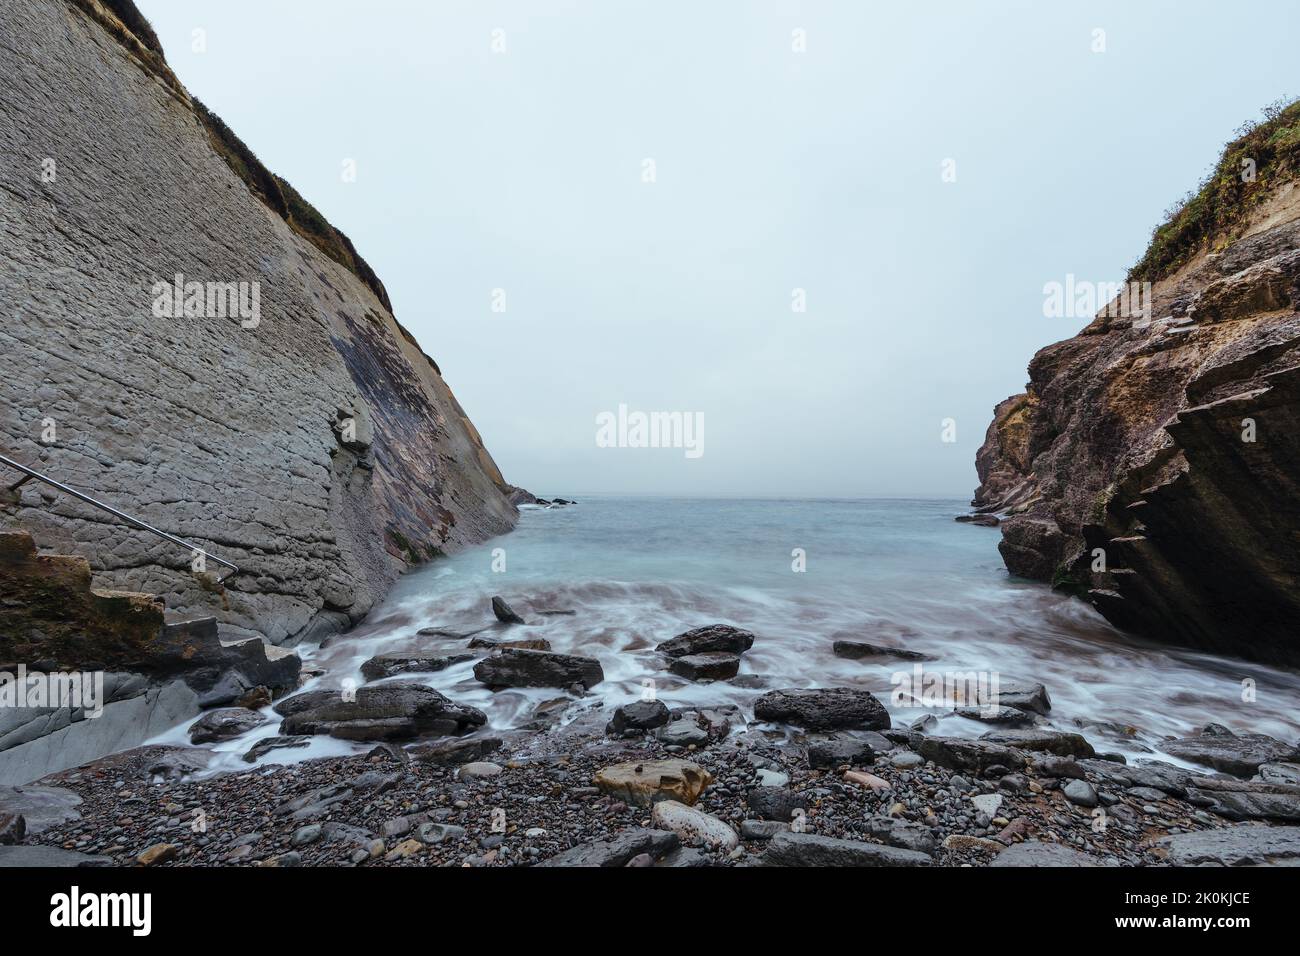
<point>114,511</point>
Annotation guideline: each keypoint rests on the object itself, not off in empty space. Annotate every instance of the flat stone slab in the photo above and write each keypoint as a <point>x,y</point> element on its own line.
<point>1033,853</point>
<point>1237,846</point>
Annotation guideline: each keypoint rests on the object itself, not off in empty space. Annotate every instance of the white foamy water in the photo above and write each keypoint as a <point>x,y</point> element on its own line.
<point>636,572</point>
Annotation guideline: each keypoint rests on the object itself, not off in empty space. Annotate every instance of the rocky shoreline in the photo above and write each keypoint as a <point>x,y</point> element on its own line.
<point>812,777</point>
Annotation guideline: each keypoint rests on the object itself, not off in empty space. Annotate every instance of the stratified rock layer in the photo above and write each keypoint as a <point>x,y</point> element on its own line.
<point>321,451</point>
<point>1152,467</point>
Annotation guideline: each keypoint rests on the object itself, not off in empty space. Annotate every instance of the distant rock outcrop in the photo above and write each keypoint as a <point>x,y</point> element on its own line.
<point>1151,464</point>
<point>273,412</point>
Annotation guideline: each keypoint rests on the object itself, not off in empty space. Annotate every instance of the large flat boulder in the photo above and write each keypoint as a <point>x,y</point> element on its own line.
<point>832,708</point>
<point>515,667</point>
<point>1238,754</point>
<point>401,710</point>
<point>704,640</point>
<point>619,849</point>
<point>1236,846</point>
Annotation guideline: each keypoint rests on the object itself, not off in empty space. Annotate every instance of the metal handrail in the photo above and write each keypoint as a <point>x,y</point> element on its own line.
<point>189,546</point>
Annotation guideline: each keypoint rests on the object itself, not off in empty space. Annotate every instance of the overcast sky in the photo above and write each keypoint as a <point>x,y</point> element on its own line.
<point>774,170</point>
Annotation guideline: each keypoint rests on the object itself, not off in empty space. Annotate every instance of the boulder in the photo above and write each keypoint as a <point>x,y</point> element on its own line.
<point>1060,743</point>
<point>829,754</point>
<point>959,753</point>
<point>1238,754</point>
<point>1022,695</point>
<point>389,665</point>
<point>395,711</point>
<point>823,709</point>
<point>645,782</point>
<point>715,638</point>
<point>223,724</point>
<point>693,826</point>
<point>636,718</point>
<point>809,849</point>
<point>1001,716</point>
<point>682,733</point>
<point>775,803</point>
<point>619,849</point>
<point>512,667</point>
<point>712,665</point>
<point>523,643</point>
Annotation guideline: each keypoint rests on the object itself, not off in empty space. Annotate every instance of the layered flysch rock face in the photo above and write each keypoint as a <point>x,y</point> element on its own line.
<point>1153,468</point>
<point>313,444</point>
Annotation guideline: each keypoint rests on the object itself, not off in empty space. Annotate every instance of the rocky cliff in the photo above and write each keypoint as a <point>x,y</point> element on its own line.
<point>1151,464</point>
<point>273,412</point>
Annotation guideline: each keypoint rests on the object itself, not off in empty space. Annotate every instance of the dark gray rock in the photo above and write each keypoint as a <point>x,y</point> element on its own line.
<point>775,803</point>
<point>823,709</point>
<point>809,849</point>
<point>390,665</point>
<point>1052,766</point>
<point>512,667</point>
<point>267,744</point>
<point>703,640</point>
<point>858,650</point>
<point>1236,846</point>
<point>1080,793</point>
<point>32,854</point>
<point>503,612</point>
<point>13,828</point>
<point>397,711</point>
<point>1060,743</point>
<point>636,718</point>
<point>1034,853</point>
<point>959,753</point>
<point>712,665</point>
<point>1022,695</point>
<point>683,733</point>
<point>828,754</point>
<point>41,807</point>
<point>223,724</point>
<point>1238,754</point>
<point>1001,716</point>
<point>456,752</point>
<point>761,830</point>
<point>619,849</point>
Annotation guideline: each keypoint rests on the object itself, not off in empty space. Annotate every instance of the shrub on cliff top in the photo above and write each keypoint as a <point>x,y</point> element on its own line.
<point>1220,205</point>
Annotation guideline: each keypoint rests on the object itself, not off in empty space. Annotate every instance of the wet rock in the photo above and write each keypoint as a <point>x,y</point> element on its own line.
<point>714,638</point>
<point>1238,754</point>
<point>636,718</point>
<point>823,709</point>
<point>645,782</point>
<point>396,711</point>
<point>775,803</point>
<point>503,612</point>
<point>959,753</point>
<point>693,826</point>
<point>809,849</point>
<point>456,752</point>
<point>1162,776</point>
<point>1036,854</point>
<point>223,724</point>
<point>523,644</point>
<point>1264,802</point>
<point>619,849</point>
<point>713,665</point>
<point>1022,695</point>
<point>903,834</point>
<point>255,698</point>
<point>852,751</point>
<point>859,650</point>
<point>268,744</point>
<point>1060,743</point>
<point>40,806</point>
<point>1236,846</point>
<point>985,521</point>
<point>511,667</point>
<point>390,665</point>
